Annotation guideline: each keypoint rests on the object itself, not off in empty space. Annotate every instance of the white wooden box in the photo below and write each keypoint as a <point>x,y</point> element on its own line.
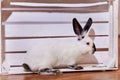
<point>24,23</point>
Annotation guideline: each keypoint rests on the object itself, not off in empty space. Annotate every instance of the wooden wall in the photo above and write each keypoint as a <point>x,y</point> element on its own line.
<point>119,17</point>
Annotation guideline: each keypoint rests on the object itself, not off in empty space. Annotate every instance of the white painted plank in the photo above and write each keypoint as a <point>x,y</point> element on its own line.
<point>51,30</point>
<point>15,59</point>
<point>33,4</point>
<point>45,16</point>
<point>116,9</point>
<point>23,45</point>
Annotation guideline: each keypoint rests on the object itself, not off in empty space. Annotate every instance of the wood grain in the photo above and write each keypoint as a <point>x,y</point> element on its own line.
<point>68,76</point>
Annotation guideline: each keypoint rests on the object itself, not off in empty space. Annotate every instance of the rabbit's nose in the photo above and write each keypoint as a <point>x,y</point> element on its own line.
<point>94,48</point>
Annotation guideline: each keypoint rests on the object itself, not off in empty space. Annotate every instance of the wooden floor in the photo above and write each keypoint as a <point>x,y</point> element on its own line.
<point>101,75</point>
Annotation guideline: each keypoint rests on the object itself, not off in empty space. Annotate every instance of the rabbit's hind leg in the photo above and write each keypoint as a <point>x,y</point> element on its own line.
<point>26,67</point>
<point>48,71</point>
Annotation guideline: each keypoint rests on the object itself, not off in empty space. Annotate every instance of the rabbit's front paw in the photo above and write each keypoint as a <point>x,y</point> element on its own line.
<point>75,66</point>
<point>48,71</point>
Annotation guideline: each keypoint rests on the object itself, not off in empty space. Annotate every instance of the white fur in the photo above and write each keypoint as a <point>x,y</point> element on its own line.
<point>57,53</point>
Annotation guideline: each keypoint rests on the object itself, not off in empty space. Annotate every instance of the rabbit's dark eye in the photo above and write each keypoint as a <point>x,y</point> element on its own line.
<point>82,37</point>
<point>87,43</point>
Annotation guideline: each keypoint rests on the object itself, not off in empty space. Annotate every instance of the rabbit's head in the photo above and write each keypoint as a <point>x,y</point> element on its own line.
<point>82,33</point>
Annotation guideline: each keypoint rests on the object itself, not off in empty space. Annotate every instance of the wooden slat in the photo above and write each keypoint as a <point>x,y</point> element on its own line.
<point>2,45</point>
<point>24,4</point>
<point>5,15</point>
<point>14,52</point>
<point>49,32</point>
<point>99,8</point>
<point>59,1</point>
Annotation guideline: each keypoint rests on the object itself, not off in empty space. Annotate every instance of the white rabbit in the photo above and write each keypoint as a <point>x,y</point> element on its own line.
<point>60,53</point>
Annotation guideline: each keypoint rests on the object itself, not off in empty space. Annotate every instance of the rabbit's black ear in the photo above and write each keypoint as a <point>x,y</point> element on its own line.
<point>88,25</point>
<point>77,27</point>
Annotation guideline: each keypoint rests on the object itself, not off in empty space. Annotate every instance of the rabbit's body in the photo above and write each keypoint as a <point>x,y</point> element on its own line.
<point>57,54</point>
<point>43,57</point>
